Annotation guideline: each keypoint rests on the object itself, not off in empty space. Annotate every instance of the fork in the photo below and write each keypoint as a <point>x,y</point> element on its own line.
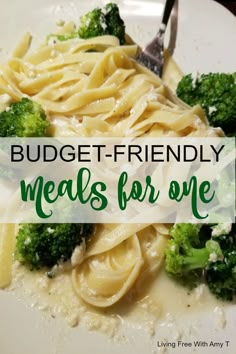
<point>152,55</point>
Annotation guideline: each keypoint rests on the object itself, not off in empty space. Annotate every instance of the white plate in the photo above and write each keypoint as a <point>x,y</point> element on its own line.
<point>205,42</point>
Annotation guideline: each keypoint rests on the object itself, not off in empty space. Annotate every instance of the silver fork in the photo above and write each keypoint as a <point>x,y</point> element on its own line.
<point>152,56</point>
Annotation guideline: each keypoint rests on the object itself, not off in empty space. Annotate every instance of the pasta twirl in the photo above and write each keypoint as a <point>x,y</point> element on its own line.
<point>103,279</point>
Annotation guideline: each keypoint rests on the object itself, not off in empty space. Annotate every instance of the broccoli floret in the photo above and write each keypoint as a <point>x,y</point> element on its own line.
<point>45,245</point>
<point>115,24</point>
<point>92,24</point>
<point>186,257</point>
<point>98,22</point>
<point>25,118</point>
<point>221,275</point>
<point>216,93</point>
<point>193,251</point>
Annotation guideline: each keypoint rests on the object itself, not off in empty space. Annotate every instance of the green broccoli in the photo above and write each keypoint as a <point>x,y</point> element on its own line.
<point>221,274</point>
<point>98,22</point>
<point>45,245</point>
<point>187,254</point>
<point>216,93</point>
<point>115,24</point>
<point>25,118</point>
<point>92,24</point>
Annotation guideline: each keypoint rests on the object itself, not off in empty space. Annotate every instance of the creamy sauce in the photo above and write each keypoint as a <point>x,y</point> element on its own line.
<point>146,304</point>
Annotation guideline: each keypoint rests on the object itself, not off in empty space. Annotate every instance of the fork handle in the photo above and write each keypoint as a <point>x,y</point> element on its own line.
<point>167,11</point>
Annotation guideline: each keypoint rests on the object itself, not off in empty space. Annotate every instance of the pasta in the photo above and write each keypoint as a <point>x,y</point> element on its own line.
<point>93,88</point>
<point>7,242</point>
